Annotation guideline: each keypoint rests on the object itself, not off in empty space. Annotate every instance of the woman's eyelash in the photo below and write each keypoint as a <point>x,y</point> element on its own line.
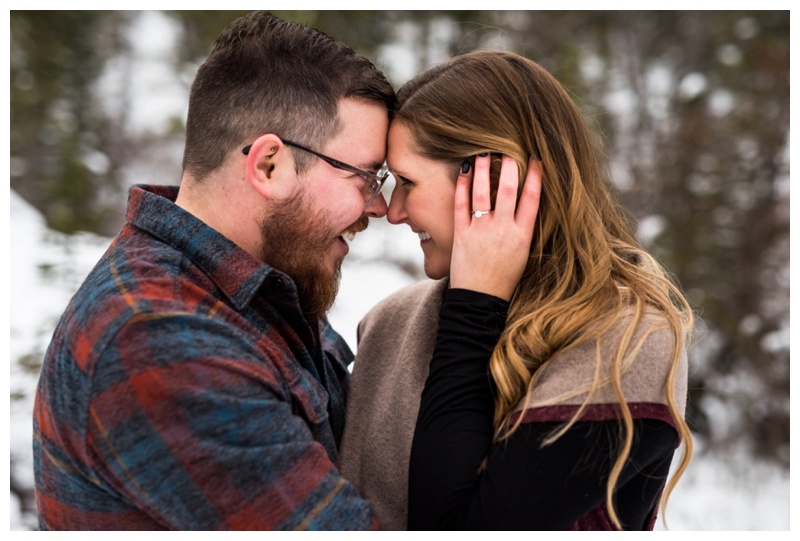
<point>404,180</point>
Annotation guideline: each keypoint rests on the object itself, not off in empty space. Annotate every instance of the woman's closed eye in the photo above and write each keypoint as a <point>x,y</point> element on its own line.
<point>404,181</point>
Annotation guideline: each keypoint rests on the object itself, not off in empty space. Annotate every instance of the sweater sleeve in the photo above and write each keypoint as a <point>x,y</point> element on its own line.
<point>523,485</point>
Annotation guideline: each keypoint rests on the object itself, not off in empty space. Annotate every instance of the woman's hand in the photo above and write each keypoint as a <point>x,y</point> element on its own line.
<point>491,249</point>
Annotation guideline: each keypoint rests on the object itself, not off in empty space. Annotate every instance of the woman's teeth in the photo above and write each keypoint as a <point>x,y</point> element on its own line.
<point>423,236</point>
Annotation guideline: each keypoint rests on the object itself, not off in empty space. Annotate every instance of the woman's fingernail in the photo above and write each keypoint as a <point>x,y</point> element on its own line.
<point>465,167</point>
<point>483,154</point>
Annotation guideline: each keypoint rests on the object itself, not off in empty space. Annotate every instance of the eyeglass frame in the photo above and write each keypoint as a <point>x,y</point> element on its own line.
<point>377,181</point>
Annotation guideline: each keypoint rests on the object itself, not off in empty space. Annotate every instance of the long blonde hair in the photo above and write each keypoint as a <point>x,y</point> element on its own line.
<point>586,271</point>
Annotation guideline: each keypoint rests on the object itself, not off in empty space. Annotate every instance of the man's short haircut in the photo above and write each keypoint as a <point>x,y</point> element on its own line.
<point>267,75</point>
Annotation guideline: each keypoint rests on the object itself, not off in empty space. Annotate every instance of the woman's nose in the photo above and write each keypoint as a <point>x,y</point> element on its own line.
<point>396,213</point>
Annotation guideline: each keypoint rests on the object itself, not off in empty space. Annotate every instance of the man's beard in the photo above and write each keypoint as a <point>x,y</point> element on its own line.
<point>296,240</point>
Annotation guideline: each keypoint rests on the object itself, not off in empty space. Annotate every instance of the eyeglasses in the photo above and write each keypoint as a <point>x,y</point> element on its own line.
<point>375,181</point>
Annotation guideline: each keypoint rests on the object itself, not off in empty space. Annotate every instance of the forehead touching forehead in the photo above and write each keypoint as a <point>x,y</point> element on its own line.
<point>401,145</point>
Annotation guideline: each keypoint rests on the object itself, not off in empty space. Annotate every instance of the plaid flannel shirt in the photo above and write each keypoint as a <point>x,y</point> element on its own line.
<point>183,389</point>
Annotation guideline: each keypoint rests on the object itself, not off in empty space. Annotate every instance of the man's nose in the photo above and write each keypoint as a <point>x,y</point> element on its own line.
<point>377,208</point>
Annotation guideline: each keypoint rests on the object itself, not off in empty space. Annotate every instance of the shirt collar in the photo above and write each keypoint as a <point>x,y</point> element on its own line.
<point>238,275</point>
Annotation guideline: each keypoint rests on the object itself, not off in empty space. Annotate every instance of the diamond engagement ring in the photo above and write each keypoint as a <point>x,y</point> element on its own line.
<point>479,213</point>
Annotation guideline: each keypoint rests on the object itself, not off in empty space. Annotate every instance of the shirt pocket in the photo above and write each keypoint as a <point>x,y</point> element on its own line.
<point>310,402</point>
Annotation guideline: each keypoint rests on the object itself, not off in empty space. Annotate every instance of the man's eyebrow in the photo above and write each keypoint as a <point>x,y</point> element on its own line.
<point>370,166</point>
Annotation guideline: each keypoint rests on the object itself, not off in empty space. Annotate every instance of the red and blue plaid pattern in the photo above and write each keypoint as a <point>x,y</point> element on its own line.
<point>183,389</point>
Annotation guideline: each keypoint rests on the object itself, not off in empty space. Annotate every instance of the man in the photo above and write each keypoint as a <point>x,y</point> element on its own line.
<point>193,381</point>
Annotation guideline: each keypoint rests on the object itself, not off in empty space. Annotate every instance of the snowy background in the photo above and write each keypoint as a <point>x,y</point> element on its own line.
<point>722,490</point>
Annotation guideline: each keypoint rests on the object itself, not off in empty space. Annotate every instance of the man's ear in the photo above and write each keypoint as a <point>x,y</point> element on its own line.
<point>270,167</point>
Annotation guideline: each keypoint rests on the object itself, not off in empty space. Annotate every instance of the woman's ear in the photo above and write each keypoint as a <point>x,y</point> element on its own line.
<point>270,167</point>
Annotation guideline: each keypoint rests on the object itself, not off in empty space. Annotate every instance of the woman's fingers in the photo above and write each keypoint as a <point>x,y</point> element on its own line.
<point>522,212</point>
<point>507,189</point>
<point>490,252</point>
<point>481,198</point>
<point>528,206</point>
<point>506,205</point>
<point>462,214</point>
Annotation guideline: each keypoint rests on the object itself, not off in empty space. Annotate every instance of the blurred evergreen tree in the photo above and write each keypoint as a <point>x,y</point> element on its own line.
<point>56,123</point>
<point>704,149</point>
<point>364,31</point>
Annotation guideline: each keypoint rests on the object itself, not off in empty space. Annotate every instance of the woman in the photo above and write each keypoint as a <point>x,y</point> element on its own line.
<point>577,422</point>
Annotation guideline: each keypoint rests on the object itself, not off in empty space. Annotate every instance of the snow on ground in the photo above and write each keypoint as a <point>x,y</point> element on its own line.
<point>46,269</point>
<point>721,490</point>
